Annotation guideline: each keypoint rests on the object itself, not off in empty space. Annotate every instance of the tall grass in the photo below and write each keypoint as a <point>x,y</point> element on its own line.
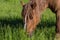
<point>11,23</point>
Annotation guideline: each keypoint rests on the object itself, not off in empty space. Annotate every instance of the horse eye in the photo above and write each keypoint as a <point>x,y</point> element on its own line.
<point>30,16</point>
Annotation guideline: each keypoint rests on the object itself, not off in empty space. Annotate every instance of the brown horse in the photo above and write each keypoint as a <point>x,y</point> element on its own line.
<point>32,12</point>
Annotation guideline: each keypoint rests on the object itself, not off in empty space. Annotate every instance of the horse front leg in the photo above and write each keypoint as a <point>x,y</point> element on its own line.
<point>58,25</point>
<point>58,22</point>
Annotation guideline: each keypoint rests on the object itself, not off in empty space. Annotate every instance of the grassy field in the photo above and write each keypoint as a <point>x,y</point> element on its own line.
<point>11,24</point>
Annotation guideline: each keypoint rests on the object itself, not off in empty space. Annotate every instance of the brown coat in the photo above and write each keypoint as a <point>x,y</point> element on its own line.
<point>32,12</point>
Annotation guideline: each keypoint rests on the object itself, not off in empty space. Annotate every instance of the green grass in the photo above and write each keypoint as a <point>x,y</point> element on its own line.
<point>11,24</point>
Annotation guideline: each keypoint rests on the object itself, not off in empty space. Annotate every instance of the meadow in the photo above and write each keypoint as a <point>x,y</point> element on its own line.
<point>11,23</point>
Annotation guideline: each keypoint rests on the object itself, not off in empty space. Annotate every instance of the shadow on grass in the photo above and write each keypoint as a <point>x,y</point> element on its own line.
<point>15,22</point>
<point>47,24</point>
<point>18,22</point>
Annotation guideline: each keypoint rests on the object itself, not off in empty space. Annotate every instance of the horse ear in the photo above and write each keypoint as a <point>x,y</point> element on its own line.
<point>22,3</point>
<point>33,5</point>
